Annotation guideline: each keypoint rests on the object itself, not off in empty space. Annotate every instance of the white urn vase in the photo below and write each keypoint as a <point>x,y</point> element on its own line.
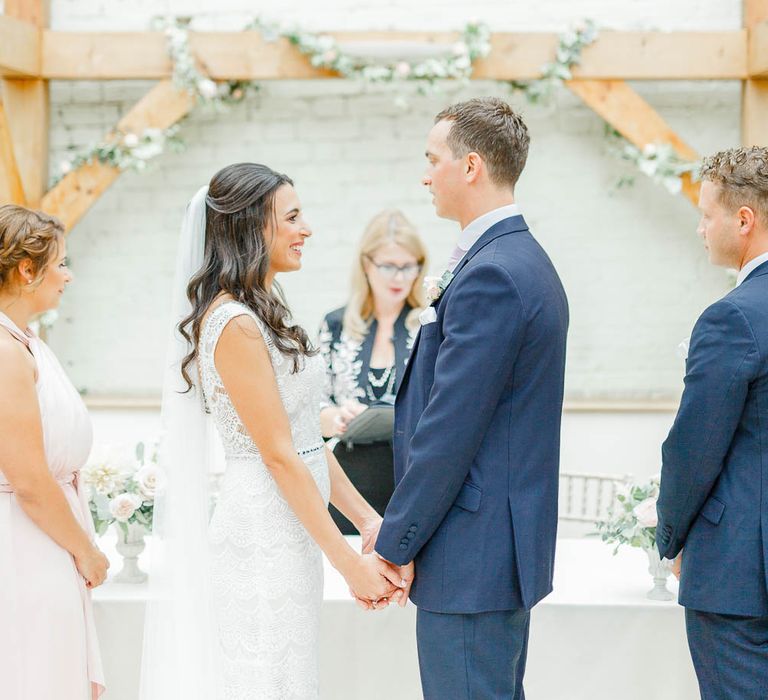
<point>660,569</point>
<point>130,545</point>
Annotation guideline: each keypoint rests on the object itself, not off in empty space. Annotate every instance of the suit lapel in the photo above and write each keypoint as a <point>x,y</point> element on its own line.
<point>401,346</point>
<point>513,224</point>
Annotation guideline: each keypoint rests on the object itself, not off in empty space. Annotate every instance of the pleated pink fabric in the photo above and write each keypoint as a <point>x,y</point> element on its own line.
<point>48,643</point>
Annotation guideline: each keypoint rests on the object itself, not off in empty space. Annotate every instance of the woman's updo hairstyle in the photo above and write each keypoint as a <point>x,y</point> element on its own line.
<point>27,235</point>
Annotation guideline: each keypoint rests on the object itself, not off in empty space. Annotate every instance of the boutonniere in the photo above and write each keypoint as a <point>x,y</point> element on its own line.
<point>435,286</point>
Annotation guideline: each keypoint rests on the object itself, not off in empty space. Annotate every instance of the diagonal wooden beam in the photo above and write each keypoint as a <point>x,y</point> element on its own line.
<point>514,56</point>
<point>11,189</point>
<point>77,192</point>
<point>635,119</point>
<point>20,48</point>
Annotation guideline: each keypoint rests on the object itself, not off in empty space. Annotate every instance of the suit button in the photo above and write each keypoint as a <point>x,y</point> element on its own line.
<point>404,541</point>
<point>411,535</point>
<point>412,528</point>
<point>403,546</point>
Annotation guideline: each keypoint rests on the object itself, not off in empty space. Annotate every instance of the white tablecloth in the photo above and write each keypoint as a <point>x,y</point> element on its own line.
<point>597,637</point>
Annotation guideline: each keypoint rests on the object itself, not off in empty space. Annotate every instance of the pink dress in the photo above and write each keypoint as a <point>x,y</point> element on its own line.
<point>48,644</point>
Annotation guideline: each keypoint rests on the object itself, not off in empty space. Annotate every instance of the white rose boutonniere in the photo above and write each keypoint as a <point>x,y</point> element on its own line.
<point>435,286</point>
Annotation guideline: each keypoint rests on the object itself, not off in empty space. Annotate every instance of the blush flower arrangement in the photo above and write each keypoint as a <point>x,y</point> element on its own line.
<point>632,519</point>
<point>121,490</point>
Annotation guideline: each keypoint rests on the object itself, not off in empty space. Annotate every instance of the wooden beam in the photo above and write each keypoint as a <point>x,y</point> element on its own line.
<point>758,50</point>
<point>754,92</point>
<point>27,106</point>
<point>635,119</point>
<point>11,189</point>
<point>38,12</point>
<point>246,56</point>
<point>20,47</point>
<point>754,113</point>
<point>755,12</point>
<point>77,192</point>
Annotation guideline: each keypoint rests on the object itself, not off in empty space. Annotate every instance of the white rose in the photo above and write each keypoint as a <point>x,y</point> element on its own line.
<point>431,288</point>
<point>124,506</point>
<point>131,141</point>
<point>65,167</point>
<point>207,88</point>
<point>402,69</point>
<point>645,513</point>
<point>148,479</point>
<point>330,56</point>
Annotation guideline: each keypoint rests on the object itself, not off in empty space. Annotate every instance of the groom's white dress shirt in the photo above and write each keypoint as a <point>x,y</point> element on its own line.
<point>751,265</point>
<point>468,237</point>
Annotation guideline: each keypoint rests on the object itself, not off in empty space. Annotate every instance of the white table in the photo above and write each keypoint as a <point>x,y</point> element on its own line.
<point>597,637</point>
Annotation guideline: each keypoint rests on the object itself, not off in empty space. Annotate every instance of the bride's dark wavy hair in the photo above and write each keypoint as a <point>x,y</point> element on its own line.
<point>239,207</point>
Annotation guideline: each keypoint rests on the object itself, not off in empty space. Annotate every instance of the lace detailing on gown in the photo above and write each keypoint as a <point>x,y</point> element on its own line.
<point>267,570</point>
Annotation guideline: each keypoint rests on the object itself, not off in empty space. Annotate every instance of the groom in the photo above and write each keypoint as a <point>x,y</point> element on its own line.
<point>713,504</point>
<point>477,419</point>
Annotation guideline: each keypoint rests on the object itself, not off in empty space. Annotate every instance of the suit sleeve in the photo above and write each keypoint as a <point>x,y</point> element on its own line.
<point>722,361</point>
<point>483,328</point>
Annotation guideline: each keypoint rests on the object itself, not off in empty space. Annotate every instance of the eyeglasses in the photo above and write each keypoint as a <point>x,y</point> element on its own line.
<point>390,271</point>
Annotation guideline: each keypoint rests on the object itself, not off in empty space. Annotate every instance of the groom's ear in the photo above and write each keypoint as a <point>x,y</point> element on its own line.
<point>473,166</point>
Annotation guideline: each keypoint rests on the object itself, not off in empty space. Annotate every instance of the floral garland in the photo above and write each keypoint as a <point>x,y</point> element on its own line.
<point>129,151</point>
<point>126,150</point>
<point>324,52</point>
<point>658,161</point>
<point>554,74</point>
<point>187,76</point>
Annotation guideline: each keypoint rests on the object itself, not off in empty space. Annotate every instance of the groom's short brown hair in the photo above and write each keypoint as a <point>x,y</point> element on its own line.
<point>492,129</point>
<point>742,174</point>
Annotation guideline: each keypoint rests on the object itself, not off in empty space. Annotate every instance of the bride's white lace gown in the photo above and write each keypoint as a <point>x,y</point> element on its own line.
<point>267,570</point>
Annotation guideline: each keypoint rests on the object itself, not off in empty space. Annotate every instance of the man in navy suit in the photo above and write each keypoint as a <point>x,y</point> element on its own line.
<point>477,419</point>
<point>713,505</point>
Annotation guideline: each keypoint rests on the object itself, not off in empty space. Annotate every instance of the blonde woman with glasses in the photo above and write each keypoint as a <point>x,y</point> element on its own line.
<point>366,344</point>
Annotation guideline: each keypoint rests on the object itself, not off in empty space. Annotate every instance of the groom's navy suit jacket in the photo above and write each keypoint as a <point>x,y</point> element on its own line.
<point>714,477</point>
<point>477,433</point>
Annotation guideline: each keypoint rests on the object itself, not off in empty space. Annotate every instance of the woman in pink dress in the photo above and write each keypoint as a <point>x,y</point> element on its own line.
<point>48,561</point>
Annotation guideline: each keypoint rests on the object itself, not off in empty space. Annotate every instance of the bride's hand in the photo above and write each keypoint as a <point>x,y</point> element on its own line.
<point>372,579</point>
<point>369,531</point>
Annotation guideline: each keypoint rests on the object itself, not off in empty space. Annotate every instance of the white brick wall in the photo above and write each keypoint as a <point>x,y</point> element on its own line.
<point>630,260</point>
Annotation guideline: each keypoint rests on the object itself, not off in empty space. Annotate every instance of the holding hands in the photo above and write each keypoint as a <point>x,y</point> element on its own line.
<point>397,579</point>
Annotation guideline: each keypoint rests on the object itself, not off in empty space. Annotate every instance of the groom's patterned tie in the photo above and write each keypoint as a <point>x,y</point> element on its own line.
<point>456,255</point>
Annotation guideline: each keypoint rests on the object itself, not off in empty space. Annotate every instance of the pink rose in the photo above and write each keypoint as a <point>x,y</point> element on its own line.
<point>645,513</point>
<point>124,506</point>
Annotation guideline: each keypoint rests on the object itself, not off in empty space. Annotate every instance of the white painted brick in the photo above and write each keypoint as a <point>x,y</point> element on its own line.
<point>629,259</point>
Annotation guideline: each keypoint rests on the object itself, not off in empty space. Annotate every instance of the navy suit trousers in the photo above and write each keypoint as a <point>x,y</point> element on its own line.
<point>730,655</point>
<point>480,656</point>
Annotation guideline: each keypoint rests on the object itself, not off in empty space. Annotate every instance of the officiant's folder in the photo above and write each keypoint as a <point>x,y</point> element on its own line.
<point>374,424</point>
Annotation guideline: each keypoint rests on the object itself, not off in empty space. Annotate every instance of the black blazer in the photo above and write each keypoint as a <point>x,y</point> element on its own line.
<point>347,360</point>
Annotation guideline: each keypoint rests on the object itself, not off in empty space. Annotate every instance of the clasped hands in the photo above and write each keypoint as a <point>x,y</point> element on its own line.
<point>380,582</point>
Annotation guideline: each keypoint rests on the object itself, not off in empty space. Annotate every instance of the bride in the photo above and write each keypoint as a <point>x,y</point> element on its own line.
<point>236,608</point>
